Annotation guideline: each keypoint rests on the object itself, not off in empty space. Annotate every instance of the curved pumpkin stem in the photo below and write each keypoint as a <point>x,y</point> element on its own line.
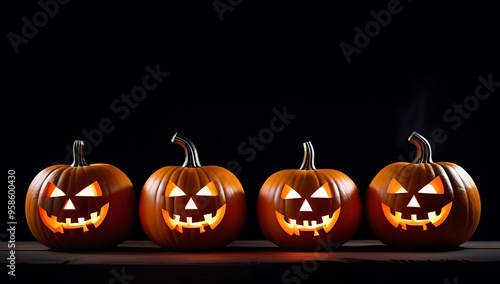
<point>191,158</point>
<point>424,151</point>
<point>308,162</point>
<point>78,154</point>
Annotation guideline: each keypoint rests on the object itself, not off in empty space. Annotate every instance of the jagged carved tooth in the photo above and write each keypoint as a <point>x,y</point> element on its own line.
<point>414,217</point>
<point>432,216</point>
<point>296,231</point>
<point>314,223</point>
<point>189,220</point>
<point>85,229</point>
<point>292,221</point>
<point>93,217</point>
<point>398,215</point>
<point>207,217</point>
<point>306,223</point>
<point>68,221</point>
<point>176,218</point>
<point>325,219</point>
<point>81,220</point>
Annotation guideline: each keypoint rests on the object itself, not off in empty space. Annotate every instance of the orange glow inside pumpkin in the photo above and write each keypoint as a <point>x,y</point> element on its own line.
<point>174,222</point>
<point>96,218</point>
<point>292,227</point>
<point>396,218</point>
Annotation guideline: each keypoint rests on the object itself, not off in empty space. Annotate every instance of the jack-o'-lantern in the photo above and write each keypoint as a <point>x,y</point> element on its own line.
<point>423,204</point>
<point>295,207</point>
<point>80,206</point>
<point>192,207</point>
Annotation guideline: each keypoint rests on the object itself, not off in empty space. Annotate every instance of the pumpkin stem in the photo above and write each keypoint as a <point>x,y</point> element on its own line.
<point>78,154</point>
<point>191,159</point>
<point>308,162</point>
<point>424,151</point>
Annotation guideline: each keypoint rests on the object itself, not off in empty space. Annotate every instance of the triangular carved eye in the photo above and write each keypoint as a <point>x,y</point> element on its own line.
<point>289,193</point>
<point>433,187</point>
<point>395,187</point>
<point>173,190</point>
<point>208,190</point>
<point>323,192</point>
<point>53,191</point>
<point>92,190</point>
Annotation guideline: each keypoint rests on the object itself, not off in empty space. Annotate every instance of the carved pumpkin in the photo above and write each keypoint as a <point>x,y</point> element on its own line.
<point>192,207</point>
<point>80,206</point>
<point>423,204</point>
<point>295,207</point>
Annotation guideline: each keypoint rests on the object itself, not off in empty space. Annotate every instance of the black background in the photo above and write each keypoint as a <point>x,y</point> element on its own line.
<point>227,76</point>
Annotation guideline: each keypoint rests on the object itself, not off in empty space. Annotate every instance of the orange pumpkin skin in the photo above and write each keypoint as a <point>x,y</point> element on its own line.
<point>115,205</point>
<point>344,207</point>
<point>438,201</point>
<point>158,210</point>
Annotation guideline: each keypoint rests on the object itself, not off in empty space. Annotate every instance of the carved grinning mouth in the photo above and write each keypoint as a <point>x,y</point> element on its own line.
<point>292,228</point>
<point>174,223</point>
<point>58,227</point>
<point>433,218</point>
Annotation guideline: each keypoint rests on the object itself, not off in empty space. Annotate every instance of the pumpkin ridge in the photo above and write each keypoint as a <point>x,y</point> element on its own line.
<point>470,194</point>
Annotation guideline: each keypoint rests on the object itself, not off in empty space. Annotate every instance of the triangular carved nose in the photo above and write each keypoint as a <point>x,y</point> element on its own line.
<point>190,205</point>
<point>305,206</point>
<point>413,202</point>
<point>69,205</point>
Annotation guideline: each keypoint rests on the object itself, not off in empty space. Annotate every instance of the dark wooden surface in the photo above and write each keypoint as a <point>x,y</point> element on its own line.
<point>256,261</point>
